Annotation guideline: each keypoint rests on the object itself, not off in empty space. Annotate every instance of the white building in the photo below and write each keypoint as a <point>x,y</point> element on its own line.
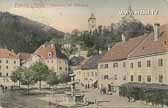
<point>52,56</point>
<point>142,60</point>
<point>87,73</point>
<point>9,62</point>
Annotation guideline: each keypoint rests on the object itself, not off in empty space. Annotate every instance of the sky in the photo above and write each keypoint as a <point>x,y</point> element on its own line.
<point>67,15</point>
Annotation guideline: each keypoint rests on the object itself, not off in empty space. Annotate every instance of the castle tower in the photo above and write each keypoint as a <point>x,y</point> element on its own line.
<point>128,17</point>
<point>92,22</point>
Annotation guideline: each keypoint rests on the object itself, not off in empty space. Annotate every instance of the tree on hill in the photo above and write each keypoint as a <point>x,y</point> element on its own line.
<point>23,35</point>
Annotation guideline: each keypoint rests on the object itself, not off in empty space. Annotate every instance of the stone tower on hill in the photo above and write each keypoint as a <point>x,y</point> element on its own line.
<point>92,23</point>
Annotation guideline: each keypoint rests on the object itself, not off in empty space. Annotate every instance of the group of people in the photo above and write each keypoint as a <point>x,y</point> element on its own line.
<point>5,88</point>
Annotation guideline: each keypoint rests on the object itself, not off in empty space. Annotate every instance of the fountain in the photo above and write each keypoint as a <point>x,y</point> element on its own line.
<point>72,98</point>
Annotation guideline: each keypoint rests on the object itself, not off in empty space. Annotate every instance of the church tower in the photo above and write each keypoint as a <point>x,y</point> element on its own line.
<point>92,23</point>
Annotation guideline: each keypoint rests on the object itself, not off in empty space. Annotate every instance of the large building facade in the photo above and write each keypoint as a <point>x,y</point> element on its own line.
<point>52,56</point>
<point>48,53</point>
<point>9,62</point>
<point>142,60</point>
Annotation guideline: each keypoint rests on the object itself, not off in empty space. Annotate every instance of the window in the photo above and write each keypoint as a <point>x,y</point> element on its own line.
<point>0,74</point>
<point>6,74</point>
<point>14,62</point>
<point>160,62</point>
<point>7,67</point>
<point>132,78</point>
<point>148,63</point>
<point>6,61</point>
<point>139,64</point>
<point>139,78</point>
<point>106,66</point>
<point>88,74</point>
<point>66,68</point>
<point>79,72</point>
<point>124,64</point>
<point>84,74</point>
<point>124,78</point>
<point>106,77</point>
<point>60,68</point>
<point>131,65</point>
<point>165,42</point>
<point>0,61</point>
<point>115,65</point>
<point>0,67</point>
<point>96,74</point>
<point>148,78</point>
<point>115,77</point>
<point>160,78</point>
<point>92,73</point>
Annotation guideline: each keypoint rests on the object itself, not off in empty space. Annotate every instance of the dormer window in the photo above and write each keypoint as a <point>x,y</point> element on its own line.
<point>50,54</point>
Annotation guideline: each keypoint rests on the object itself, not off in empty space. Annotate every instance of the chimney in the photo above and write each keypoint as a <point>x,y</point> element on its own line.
<point>123,38</point>
<point>100,52</point>
<point>43,46</point>
<point>109,47</point>
<point>156,31</point>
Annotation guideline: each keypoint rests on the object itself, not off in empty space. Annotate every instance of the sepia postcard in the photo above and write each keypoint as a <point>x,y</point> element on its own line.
<point>83,54</point>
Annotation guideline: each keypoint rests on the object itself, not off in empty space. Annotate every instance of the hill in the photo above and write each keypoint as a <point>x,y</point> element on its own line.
<point>23,35</point>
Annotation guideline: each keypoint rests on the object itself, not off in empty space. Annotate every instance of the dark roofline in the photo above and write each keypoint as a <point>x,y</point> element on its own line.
<point>91,63</point>
<point>146,86</point>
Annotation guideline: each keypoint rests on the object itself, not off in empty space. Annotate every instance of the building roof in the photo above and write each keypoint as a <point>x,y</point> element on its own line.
<point>76,61</point>
<point>139,46</point>
<point>91,63</point>
<point>5,53</point>
<point>121,50</point>
<point>149,46</point>
<point>24,56</point>
<point>92,16</point>
<point>50,50</point>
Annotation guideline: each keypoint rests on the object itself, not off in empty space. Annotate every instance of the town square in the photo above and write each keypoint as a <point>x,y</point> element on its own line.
<point>83,54</point>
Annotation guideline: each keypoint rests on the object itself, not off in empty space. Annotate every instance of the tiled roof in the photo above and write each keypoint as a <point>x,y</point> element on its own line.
<point>149,46</point>
<point>139,46</point>
<point>92,62</point>
<point>121,49</point>
<point>24,56</point>
<point>49,50</point>
<point>75,61</point>
<point>5,53</point>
